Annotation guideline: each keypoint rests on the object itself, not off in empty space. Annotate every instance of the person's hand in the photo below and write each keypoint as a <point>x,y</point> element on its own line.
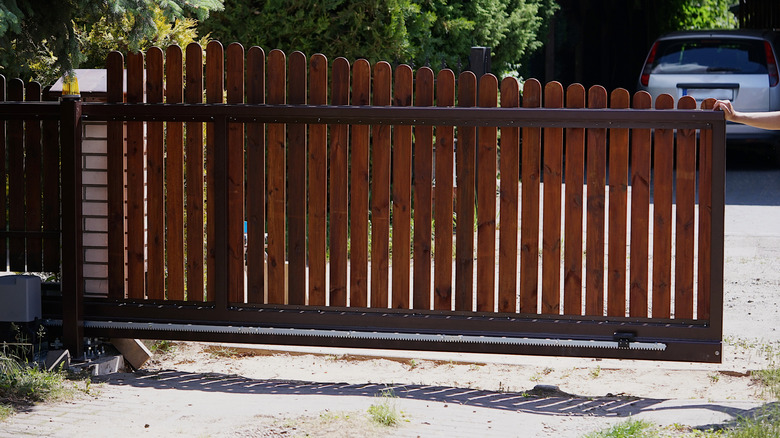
<point>726,107</point>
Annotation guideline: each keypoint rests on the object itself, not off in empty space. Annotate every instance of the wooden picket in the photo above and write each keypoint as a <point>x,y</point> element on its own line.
<point>486,156</point>
<point>510,174</point>
<point>174,176</point>
<point>552,177</point>
<point>663,174</point>
<point>443,208</point>
<point>380,191</point>
<point>465,198</point>
<point>359,209</point>
<point>575,174</point>
<point>596,160</point>
<point>529,211</point>
<point>640,213</point>
<point>195,289</point>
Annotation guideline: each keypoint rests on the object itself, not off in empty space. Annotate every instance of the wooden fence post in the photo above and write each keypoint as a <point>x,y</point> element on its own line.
<point>72,254</point>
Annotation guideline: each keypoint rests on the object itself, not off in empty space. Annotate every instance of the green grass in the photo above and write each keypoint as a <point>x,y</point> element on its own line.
<point>770,379</point>
<point>162,347</point>
<point>5,411</point>
<point>627,429</point>
<point>22,384</point>
<point>385,412</point>
<point>765,425</point>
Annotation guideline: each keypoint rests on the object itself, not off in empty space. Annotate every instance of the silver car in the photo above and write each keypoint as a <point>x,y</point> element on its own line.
<point>736,65</point>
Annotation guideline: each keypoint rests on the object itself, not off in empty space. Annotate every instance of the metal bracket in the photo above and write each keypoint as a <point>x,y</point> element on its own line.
<point>624,339</point>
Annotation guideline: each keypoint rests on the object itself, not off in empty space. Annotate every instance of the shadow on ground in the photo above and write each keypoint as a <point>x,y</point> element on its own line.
<point>541,400</point>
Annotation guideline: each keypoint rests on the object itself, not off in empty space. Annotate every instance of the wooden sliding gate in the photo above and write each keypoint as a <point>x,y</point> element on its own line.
<point>314,202</point>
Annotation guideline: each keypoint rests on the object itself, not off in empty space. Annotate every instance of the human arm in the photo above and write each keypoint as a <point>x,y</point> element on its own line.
<point>763,120</point>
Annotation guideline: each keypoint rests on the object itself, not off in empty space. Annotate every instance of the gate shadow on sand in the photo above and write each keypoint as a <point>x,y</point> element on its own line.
<point>542,400</point>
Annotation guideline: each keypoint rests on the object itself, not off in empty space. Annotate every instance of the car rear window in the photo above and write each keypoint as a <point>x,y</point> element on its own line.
<point>713,56</point>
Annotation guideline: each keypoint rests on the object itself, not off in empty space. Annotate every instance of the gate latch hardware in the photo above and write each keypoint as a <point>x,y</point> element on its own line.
<point>624,338</point>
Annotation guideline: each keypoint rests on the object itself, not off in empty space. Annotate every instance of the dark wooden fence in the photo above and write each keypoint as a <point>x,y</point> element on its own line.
<point>329,165</point>
<point>30,199</point>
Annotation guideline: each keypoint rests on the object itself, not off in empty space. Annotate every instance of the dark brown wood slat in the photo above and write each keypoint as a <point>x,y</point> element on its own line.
<point>235,94</point>
<point>358,248</point>
<point>443,207</point>
<point>194,155</point>
<point>276,189</point>
<point>16,181</point>
<point>509,202</point>
<point>318,184</point>
<point>402,190</point>
<point>155,180</point>
<point>594,241</point>
<point>116,148</point>
<point>255,179</point>
<point>380,191</point>
<point>640,212</point>
<point>3,181</point>
<point>51,193</point>
<point>487,154</point>
<point>423,178</point>
<point>529,211</point>
<point>465,197</point>
<point>573,204</point>
<point>685,198</point>
<point>296,198</point>
<point>704,286</point>
<point>338,187</point>
<point>663,175</point>
<point>174,176</point>
<point>552,174</point>
<point>136,259</point>
<point>32,169</point>
<point>618,210</point>
<point>215,85</point>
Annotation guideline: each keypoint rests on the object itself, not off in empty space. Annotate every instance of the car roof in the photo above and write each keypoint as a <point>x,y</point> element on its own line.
<point>767,34</point>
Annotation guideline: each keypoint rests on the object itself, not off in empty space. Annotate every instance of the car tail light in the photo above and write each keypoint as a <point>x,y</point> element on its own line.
<point>771,65</point>
<point>645,79</point>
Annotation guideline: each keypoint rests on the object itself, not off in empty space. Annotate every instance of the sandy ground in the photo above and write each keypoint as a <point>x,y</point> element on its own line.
<point>199,389</point>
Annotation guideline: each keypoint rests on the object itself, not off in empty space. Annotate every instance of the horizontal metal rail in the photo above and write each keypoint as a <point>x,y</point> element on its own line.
<point>388,115</point>
<point>399,335</point>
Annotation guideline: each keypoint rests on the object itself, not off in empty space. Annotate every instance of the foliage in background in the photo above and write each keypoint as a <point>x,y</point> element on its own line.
<point>435,32</point>
<point>707,14</point>
<point>42,42</point>
<point>695,14</point>
<point>100,38</point>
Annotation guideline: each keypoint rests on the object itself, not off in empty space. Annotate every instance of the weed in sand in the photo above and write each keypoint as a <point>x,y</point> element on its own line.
<point>219,352</point>
<point>385,412</point>
<point>770,379</point>
<point>714,377</point>
<point>162,347</point>
<point>596,372</point>
<point>20,382</point>
<point>627,429</point>
<point>23,383</point>
<point>764,425</point>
